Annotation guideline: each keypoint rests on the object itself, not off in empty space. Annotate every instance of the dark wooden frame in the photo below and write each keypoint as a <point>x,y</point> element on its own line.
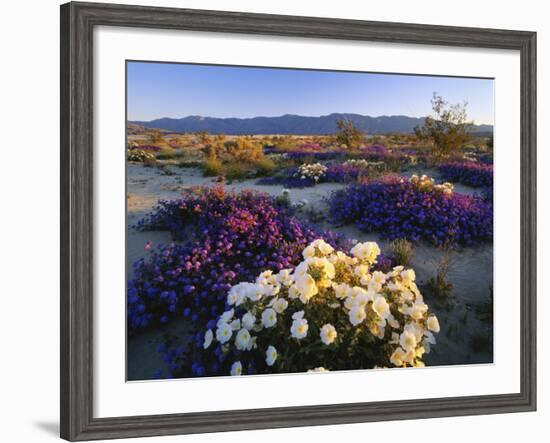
<point>77,24</point>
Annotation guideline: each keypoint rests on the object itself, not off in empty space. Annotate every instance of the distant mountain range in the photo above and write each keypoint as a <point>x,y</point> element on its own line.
<point>291,124</point>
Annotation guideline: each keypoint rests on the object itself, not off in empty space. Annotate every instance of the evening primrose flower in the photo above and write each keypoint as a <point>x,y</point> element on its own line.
<point>407,340</point>
<point>409,357</point>
<point>235,324</point>
<point>248,320</point>
<point>208,336</point>
<point>243,339</point>
<point>299,328</point>
<point>340,290</point>
<point>293,292</point>
<point>361,271</point>
<point>307,287</point>
<point>328,334</point>
<point>284,277</point>
<point>256,292</point>
<point>324,247</point>
<point>408,276</point>
<point>270,355</point>
<point>366,251</point>
<point>432,323</point>
<point>392,321</point>
<point>226,316</point>
<point>396,358</point>
<point>236,368</point>
<point>381,307</point>
<point>238,293</point>
<point>223,333</point>
<point>309,251</point>
<point>266,278</point>
<point>417,310</point>
<point>280,305</point>
<point>377,280</point>
<point>357,315</point>
<point>269,318</point>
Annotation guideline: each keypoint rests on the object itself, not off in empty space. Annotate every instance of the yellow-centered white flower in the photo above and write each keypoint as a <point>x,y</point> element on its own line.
<point>236,368</point>
<point>269,318</point>
<point>328,334</point>
<point>299,328</point>
<point>270,355</point>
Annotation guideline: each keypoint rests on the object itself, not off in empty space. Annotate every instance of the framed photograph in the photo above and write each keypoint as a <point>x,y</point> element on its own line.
<point>273,221</point>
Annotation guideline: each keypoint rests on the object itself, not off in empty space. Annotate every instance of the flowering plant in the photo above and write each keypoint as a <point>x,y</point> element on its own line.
<point>137,155</point>
<point>311,171</point>
<point>425,183</point>
<point>234,236</point>
<point>361,163</point>
<point>331,312</point>
<point>468,172</point>
<point>415,209</point>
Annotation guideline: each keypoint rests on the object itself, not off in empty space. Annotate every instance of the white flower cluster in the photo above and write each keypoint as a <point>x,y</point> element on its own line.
<point>313,171</point>
<point>425,183</point>
<point>331,300</point>
<point>362,163</point>
<point>278,157</point>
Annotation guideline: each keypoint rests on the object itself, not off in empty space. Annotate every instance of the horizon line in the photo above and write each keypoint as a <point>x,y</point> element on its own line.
<point>128,120</point>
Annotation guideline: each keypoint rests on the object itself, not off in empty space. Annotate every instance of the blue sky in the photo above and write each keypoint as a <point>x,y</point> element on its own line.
<point>177,90</point>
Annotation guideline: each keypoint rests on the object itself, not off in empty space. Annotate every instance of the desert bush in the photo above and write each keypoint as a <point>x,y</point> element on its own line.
<point>169,154</point>
<point>447,129</point>
<point>414,209</point>
<point>212,167</point>
<point>332,312</point>
<point>348,135</point>
<point>154,136</point>
<point>227,237</point>
<point>264,166</point>
<point>237,171</point>
<point>401,251</point>
<point>241,149</point>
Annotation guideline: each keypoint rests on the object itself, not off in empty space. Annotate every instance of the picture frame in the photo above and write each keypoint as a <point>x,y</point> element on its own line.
<point>77,219</point>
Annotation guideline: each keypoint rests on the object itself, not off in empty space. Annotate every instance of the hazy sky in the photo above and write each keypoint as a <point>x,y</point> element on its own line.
<point>177,90</point>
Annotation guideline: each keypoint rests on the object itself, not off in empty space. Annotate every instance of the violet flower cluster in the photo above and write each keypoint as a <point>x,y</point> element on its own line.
<point>473,174</point>
<point>399,208</point>
<point>234,237</point>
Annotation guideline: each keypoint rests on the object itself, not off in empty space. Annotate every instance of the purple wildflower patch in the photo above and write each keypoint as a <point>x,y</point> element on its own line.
<point>468,173</point>
<point>397,208</point>
<point>234,238</point>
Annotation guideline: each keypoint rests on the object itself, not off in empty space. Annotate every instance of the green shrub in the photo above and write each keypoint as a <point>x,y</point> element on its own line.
<point>212,167</point>
<point>264,166</point>
<point>237,171</point>
<point>169,154</point>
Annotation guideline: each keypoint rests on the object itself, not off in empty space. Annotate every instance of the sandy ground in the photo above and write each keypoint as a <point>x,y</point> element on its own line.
<point>471,272</point>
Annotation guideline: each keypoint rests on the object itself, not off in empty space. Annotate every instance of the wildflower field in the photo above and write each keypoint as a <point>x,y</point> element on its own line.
<point>306,221</point>
<point>291,254</point>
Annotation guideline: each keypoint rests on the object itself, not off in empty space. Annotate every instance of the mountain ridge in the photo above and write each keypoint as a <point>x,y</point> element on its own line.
<point>290,124</point>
